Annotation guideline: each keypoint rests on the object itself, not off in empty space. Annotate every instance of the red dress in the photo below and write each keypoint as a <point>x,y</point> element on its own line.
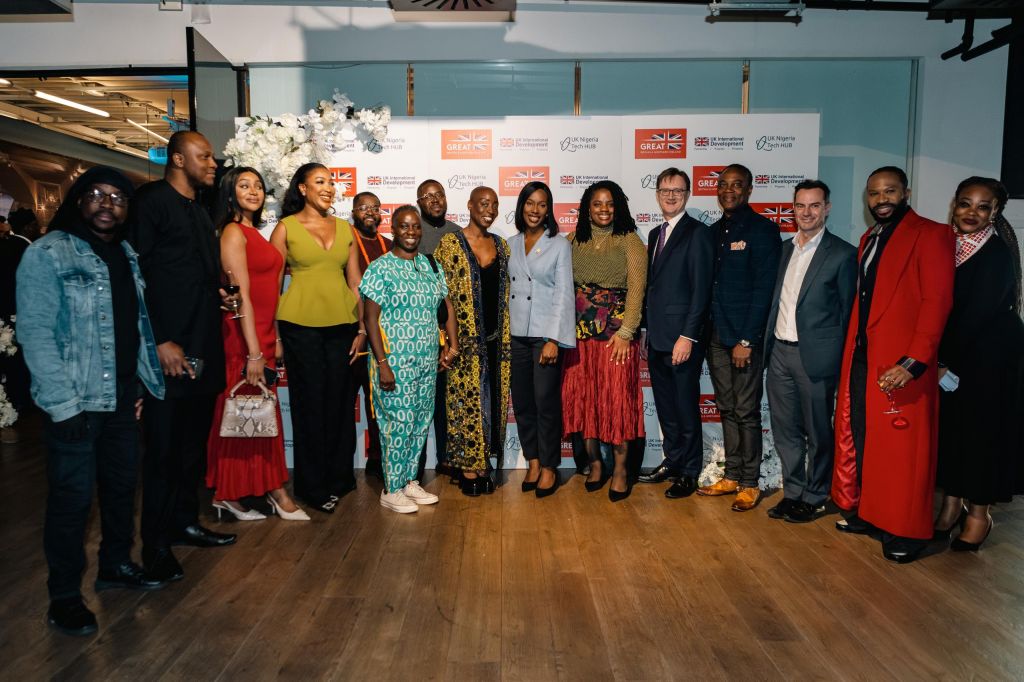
<point>242,467</point>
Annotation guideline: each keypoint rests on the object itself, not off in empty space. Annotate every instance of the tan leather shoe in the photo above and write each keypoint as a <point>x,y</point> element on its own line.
<point>746,499</point>
<point>722,487</point>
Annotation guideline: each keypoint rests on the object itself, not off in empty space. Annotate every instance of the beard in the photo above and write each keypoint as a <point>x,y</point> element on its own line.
<point>364,227</point>
<point>898,210</point>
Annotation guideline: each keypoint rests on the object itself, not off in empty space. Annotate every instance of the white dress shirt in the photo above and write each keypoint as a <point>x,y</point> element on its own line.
<point>785,325</point>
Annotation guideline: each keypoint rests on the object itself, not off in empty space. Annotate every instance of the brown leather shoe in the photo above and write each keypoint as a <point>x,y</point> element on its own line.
<point>722,487</point>
<point>746,499</point>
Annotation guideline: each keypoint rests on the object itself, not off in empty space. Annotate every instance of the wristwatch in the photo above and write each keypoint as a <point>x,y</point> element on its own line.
<point>745,343</point>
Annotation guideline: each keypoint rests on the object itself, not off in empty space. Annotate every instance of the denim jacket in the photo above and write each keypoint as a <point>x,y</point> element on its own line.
<point>65,326</point>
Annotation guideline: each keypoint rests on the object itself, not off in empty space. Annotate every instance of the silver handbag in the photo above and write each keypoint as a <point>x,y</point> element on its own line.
<point>249,416</point>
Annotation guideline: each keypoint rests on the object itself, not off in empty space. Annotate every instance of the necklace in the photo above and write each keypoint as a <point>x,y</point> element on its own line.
<point>599,243</point>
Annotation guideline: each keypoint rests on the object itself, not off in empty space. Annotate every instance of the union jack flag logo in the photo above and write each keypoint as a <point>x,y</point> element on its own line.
<point>529,174</point>
<point>780,214</point>
<point>507,142</point>
<point>643,217</point>
<point>344,180</point>
<point>385,216</point>
<point>568,180</point>
<point>701,142</point>
<point>761,179</point>
<point>374,180</point>
<point>672,140</point>
<point>478,141</point>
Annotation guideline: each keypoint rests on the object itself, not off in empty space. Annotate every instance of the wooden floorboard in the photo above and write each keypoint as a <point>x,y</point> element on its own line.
<point>509,587</point>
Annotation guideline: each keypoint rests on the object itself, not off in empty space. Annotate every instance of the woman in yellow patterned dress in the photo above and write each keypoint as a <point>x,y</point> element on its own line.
<point>475,264</point>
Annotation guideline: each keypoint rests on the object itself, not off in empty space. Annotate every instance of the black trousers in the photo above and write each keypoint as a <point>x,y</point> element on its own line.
<point>676,391</point>
<point>321,389</point>
<point>858,405</point>
<point>176,430</point>
<point>738,396</point>
<point>107,458</point>
<point>537,401</point>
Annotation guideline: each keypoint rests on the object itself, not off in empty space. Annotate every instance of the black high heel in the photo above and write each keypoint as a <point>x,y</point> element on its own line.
<point>471,487</point>
<point>594,486</point>
<point>488,482</point>
<point>617,496</point>
<point>547,492</point>
<point>943,535</point>
<point>959,545</point>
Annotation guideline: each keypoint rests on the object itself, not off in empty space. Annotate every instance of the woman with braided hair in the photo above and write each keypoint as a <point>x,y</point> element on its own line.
<point>981,434</point>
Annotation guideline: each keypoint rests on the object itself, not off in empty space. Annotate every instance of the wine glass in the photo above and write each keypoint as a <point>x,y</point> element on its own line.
<point>899,421</point>
<point>232,288</point>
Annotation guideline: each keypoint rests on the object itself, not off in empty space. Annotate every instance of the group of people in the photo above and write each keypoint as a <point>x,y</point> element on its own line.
<point>137,304</point>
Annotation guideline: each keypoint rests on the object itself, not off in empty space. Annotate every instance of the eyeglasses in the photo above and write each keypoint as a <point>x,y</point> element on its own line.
<point>96,196</point>
<point>671,192</point>
<point>433,196</point>
<point>368,208</point>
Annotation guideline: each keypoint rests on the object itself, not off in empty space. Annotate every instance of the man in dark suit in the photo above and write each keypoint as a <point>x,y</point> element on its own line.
<point>180,260</point>
<point>746,263</point>
<point>803,349</point>
<point>680,265</point>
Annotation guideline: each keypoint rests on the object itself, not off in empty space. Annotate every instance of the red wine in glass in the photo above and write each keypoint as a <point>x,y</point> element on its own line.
<point>232,289</point>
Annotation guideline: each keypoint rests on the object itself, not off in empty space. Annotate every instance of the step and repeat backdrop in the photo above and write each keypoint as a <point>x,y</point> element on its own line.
<point>570,153</point>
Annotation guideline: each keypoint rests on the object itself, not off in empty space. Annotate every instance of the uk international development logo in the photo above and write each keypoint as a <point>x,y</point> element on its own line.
<point>762,179</point>
<point>779,213</point>
<point>567,215</point>
<point>344,180</point>
<point>701,142</point>
<point>660,143</point>
<point>466,144</point>
<point>705,180</point>
<point>511,179</point>
<point>567,180</point>
<point>374,180</point>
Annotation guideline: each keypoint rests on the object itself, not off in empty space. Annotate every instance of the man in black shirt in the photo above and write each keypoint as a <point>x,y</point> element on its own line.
<point>180,259</point>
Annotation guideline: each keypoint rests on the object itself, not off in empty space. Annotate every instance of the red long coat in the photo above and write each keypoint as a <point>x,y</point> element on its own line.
<point>912,299</point>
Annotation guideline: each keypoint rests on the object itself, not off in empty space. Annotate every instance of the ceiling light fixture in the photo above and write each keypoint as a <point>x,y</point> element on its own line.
<point>68,103</point>
<point>147,130</point>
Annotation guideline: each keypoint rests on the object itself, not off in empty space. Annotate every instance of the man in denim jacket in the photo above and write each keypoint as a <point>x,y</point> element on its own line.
<point>83,325</point>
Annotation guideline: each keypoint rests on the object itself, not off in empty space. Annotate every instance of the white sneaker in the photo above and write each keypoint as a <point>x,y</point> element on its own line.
<point>398,502</point>
<point>417,494</point>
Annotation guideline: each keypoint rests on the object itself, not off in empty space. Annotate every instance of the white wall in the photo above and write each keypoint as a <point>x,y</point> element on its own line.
<point>960,116</point>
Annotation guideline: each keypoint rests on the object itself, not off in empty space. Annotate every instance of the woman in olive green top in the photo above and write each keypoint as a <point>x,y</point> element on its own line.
<point>318,319</point>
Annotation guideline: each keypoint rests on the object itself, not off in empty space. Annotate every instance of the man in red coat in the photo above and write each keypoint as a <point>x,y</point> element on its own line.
<point>884,473</point>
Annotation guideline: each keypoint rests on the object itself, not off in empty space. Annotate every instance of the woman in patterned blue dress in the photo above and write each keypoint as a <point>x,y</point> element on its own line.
<point>401,292</point>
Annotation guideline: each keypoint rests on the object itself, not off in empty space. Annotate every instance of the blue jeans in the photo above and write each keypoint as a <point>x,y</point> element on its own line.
<point>107,457</point>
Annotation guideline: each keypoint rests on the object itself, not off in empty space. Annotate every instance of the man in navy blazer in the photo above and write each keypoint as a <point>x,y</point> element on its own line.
<point>746,261</point>
<point>680,266</point>
<point>814,293</point>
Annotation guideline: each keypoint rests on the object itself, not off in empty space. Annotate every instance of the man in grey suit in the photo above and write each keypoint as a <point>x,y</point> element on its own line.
<point>814,293</point>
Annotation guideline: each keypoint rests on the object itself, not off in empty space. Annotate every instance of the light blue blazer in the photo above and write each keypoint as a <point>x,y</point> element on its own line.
<point>542,302</point>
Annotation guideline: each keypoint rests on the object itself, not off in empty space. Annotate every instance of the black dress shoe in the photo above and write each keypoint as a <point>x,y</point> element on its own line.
<point>855,525</point>
<point>779,510</point>
<point>472,487</point>
<point>684,486</point>
<point>802,512</point>
<point>488,483</point>
<point>659,474</point>
<point>902,550</point>
<point>162,566</point>
<point>71,617</point>
<point>197,536</point>
<point>128,575</point>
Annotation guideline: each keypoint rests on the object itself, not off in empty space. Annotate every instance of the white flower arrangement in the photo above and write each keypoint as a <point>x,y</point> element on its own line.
<point>771,466</point>
<point>277,147</point>
<point>8,415</point>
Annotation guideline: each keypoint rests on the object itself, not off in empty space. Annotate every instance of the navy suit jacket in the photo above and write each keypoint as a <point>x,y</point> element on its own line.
<point>679,284</point>
<point>822,306</point>
<point>746,263</point>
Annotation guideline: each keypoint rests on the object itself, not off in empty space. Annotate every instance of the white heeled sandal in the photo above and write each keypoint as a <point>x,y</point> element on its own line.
<point>240,514</point>
<point>297,515</point>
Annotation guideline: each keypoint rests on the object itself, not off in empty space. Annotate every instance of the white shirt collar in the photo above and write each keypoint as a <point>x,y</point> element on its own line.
<point>812,243</point>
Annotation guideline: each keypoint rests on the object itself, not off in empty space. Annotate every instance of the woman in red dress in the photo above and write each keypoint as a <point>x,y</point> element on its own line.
<point>248,467</point>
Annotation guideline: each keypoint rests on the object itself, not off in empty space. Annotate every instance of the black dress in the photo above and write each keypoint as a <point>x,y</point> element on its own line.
<point>981,424</point>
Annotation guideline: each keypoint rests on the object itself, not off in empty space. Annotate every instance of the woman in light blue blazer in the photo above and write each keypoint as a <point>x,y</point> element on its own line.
<point>542,311</point>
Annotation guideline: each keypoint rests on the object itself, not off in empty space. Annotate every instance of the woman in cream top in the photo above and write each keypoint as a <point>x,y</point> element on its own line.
<point>318,319</point>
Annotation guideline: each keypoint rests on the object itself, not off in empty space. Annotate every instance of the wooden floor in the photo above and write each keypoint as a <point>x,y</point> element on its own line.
<point>514,588</point>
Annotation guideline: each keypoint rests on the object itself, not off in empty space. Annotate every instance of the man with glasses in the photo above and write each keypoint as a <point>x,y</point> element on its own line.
<point>679,275</point>
<point>433,203</point>
<point>85,332</point>
<point>748,247</point>
<point>371,245</point>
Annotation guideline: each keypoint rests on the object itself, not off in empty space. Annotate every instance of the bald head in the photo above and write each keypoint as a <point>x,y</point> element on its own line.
<point>483,208</point>
<point>190,161</point>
